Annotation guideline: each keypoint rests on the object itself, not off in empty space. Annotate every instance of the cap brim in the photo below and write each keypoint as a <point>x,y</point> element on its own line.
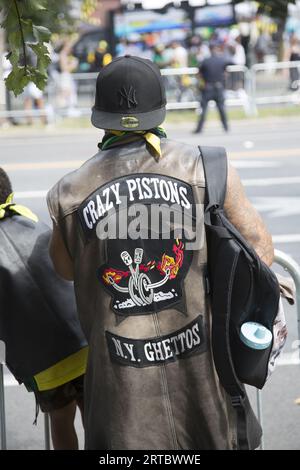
<point>142,121</point>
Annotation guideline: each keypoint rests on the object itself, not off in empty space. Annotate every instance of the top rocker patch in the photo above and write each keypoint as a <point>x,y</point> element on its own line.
<point>140,188</point>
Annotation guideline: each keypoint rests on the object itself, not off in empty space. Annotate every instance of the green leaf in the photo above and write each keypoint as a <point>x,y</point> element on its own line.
<point>35,5</point>
<point>15,39</point>
<point>43,58</point>
<point>27,28</point>
<point>41,33</point>
<point>17,80</point>
<point>40,79</point>
<point>10,21</point>
<point>14,57</point>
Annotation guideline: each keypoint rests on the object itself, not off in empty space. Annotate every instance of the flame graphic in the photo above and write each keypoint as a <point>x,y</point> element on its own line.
<point>168,262</point>
<point>116,275</point>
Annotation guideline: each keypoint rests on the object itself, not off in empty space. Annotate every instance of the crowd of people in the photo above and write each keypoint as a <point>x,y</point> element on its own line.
<point>234,47</point>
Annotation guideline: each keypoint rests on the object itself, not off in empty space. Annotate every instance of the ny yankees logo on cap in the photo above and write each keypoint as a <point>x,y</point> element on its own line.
<point>128,96</point>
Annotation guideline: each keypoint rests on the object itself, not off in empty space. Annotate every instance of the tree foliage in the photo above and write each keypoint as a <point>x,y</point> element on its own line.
<point>27,53</point>
<point>274,8</point>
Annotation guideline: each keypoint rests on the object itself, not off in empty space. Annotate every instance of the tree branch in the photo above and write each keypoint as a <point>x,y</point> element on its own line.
<point>22,34</point>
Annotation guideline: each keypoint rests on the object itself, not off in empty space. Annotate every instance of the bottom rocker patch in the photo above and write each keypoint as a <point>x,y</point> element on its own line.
<point>153,351</point>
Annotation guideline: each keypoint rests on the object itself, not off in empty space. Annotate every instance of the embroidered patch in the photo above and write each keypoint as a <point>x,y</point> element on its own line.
<point>121,193</point>
<point>145,277</point>
<point>127,97</point>
<point>180,344</point>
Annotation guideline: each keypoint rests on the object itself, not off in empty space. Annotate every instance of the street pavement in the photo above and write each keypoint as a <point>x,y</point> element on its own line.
<point>266,153</point>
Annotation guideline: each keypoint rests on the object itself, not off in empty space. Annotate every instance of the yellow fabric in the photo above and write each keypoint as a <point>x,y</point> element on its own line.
<point>107,59</point>
<point>22,210</point>
<point>152,139</point>
<point>91,57</point>
<point>63,371</point>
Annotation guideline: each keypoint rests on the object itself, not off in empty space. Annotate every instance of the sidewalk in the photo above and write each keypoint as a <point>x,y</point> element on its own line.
<point>74,127</point>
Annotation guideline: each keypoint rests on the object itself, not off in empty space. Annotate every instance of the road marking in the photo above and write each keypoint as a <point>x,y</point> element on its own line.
<point>288,359</point>
<point>76,163</point>
<point>292,238</point>
<point>292,152</point>
<point>61,139</point>
<point>256,164</point>
<point>277,206</point>
<point>31,194</point>
<point>248,144</point>
<point>71,164</point>
<point>10,381</point>
<point>271,181</point>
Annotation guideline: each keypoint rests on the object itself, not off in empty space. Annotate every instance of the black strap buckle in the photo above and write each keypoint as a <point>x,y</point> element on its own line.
<point>237,401</point>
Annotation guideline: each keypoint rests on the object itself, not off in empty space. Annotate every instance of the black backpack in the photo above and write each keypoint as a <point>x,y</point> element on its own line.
<point>242,288</point>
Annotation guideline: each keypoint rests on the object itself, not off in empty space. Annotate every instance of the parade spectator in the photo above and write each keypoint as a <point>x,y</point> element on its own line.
<point>45,346</point>
<point>294,56</point>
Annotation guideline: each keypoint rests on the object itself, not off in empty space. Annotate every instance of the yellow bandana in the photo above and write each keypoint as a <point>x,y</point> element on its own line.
<point>17,208</point>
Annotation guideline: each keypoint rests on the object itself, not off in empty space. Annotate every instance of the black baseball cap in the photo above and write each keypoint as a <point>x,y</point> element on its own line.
<point>130,95</point>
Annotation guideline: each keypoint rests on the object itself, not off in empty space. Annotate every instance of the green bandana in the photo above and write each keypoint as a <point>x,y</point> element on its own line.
<point>152,137</point>
<point>9,208</point>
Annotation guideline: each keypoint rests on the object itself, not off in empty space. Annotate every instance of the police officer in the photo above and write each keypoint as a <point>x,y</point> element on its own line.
<point>212,72</point>
<point>150,381</point>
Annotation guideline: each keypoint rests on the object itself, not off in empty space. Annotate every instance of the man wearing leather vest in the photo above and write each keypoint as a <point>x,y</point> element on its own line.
<point>129,229</point>
<point>44,343</point>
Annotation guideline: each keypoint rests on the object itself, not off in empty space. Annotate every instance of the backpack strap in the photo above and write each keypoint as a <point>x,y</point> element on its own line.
<point>215,169</point>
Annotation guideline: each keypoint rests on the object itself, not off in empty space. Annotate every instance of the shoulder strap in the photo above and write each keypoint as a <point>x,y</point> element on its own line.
<point>215,168</point>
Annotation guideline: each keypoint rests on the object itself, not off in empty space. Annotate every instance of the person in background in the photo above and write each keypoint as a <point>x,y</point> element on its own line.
<point>294,56</point>
<point>159,56</point>
<point>102,57</point>
<point>212,74</point>
<point>66,85</point>
<point>33,98</point>
<point>237,51</point>
<point>179,57</point>
<point>45,347</point>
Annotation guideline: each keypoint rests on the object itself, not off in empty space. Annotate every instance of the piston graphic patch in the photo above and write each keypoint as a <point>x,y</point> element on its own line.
<point>145,278</point>
<point>180,344</point>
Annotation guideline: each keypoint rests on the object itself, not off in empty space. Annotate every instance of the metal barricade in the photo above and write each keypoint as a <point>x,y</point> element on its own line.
<point>2,409</point>
<point>262,84</point>
<point>289,265</point>
<point>3,441</point>
<point>276,82</point>
<point>182,88</point>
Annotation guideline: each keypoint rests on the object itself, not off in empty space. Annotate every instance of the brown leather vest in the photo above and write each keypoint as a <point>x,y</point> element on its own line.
<point>150,382</point>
